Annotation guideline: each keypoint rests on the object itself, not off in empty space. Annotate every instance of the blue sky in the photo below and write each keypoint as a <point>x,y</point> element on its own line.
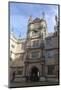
<point>20,12</point>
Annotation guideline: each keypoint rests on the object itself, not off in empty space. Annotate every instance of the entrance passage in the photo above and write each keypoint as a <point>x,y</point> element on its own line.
<point>34,74</point>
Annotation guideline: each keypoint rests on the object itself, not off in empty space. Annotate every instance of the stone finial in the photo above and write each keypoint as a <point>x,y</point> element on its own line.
<point>30,19</point>
<point>19,35</point>
<point>56,18</point>
<point>12,31</point>
<point>43,15</point>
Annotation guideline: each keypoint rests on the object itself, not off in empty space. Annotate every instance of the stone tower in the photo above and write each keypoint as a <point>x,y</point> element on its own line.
<point>34,63</point>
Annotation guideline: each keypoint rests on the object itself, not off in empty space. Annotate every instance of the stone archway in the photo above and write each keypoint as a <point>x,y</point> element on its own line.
<point>34,75</point>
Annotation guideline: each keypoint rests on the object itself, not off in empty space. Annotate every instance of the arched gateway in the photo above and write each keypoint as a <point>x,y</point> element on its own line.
<point>34,74</point>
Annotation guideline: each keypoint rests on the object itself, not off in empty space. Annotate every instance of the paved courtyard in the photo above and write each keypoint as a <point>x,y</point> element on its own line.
<point>24,84</point>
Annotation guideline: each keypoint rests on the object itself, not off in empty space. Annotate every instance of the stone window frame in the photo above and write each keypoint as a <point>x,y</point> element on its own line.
<point>19,72</point>
<point>50,70</point>
<point>13,46</point>
<point>36,53</point>
<point>35,43</point>
<point>49,41</point>
<point>49,54</point>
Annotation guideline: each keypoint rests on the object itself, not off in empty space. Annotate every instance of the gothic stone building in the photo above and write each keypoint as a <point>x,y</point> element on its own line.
<point>36,57</point>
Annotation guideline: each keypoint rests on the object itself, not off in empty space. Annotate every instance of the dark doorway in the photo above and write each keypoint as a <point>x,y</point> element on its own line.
<point>34,74</point>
